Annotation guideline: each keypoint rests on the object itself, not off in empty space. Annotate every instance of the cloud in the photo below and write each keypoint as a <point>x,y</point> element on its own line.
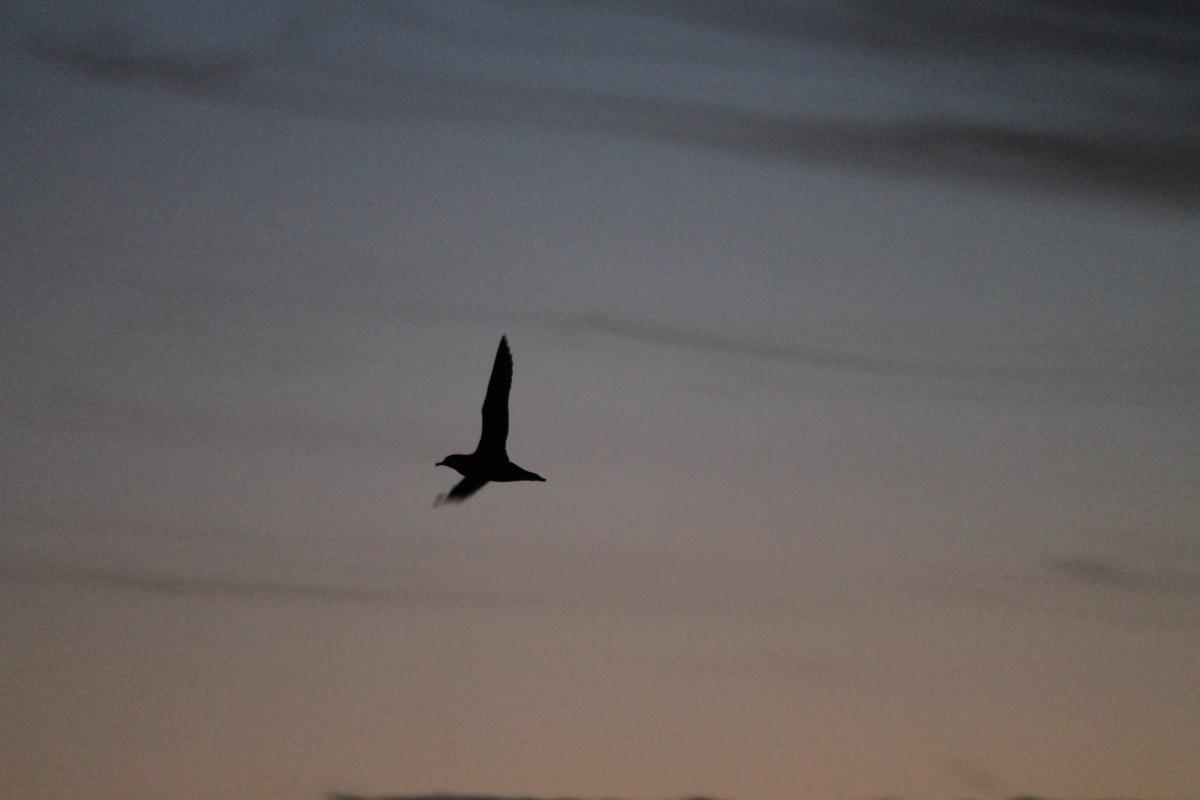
<point>1092,590</point>
<point>77,409</point>
<point>448,796</point>
<point>1151,34</point>
<point>1099,574</point>
<point>653,333</point>
<point>1145,382</point>
<point>340,796</point>
<point>974,776</point>
<point>166,311</point>
<point>175,585</point>
<point>1159,164</point>
<point>112,60</point>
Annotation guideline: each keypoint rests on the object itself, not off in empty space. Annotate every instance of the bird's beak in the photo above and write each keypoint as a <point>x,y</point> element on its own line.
<point>440,464</point>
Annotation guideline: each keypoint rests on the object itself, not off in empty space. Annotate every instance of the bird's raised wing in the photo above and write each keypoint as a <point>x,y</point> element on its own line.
<point>461,491</point>
<point>494,434</point>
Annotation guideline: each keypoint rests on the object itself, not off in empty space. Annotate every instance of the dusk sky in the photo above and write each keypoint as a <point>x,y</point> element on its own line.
<point>859,344</point>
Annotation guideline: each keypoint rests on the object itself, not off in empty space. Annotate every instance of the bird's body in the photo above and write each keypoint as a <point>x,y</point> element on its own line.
<point>490,461</point>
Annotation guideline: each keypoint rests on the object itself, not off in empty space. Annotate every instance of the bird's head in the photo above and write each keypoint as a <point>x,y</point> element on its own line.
<point>457,462</point>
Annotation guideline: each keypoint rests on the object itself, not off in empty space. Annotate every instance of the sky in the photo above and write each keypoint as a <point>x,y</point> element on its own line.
<point>859,344</point>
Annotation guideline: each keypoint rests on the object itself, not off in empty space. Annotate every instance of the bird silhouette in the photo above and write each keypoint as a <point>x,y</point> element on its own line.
<point>490,461</point>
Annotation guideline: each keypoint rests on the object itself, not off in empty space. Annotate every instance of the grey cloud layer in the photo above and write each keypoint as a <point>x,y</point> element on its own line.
<point>1158,162</point>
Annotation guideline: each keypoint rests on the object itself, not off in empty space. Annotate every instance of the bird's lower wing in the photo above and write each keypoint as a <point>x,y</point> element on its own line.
<point>461,491</point>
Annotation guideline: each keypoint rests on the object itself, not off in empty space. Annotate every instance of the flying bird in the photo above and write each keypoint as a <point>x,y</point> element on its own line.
<point>490,461</point>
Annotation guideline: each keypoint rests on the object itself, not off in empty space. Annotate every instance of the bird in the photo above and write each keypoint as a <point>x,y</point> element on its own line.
<point>490,461</point>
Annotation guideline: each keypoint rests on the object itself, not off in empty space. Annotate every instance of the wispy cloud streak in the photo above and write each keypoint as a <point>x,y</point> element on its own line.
<point>1150,35</point>
<point>1096,590</point>
<point>1165,382</point>
<point>448,796</point>
<point>74,408</point>
<point>247,589</point>
<point>1100,574</point>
